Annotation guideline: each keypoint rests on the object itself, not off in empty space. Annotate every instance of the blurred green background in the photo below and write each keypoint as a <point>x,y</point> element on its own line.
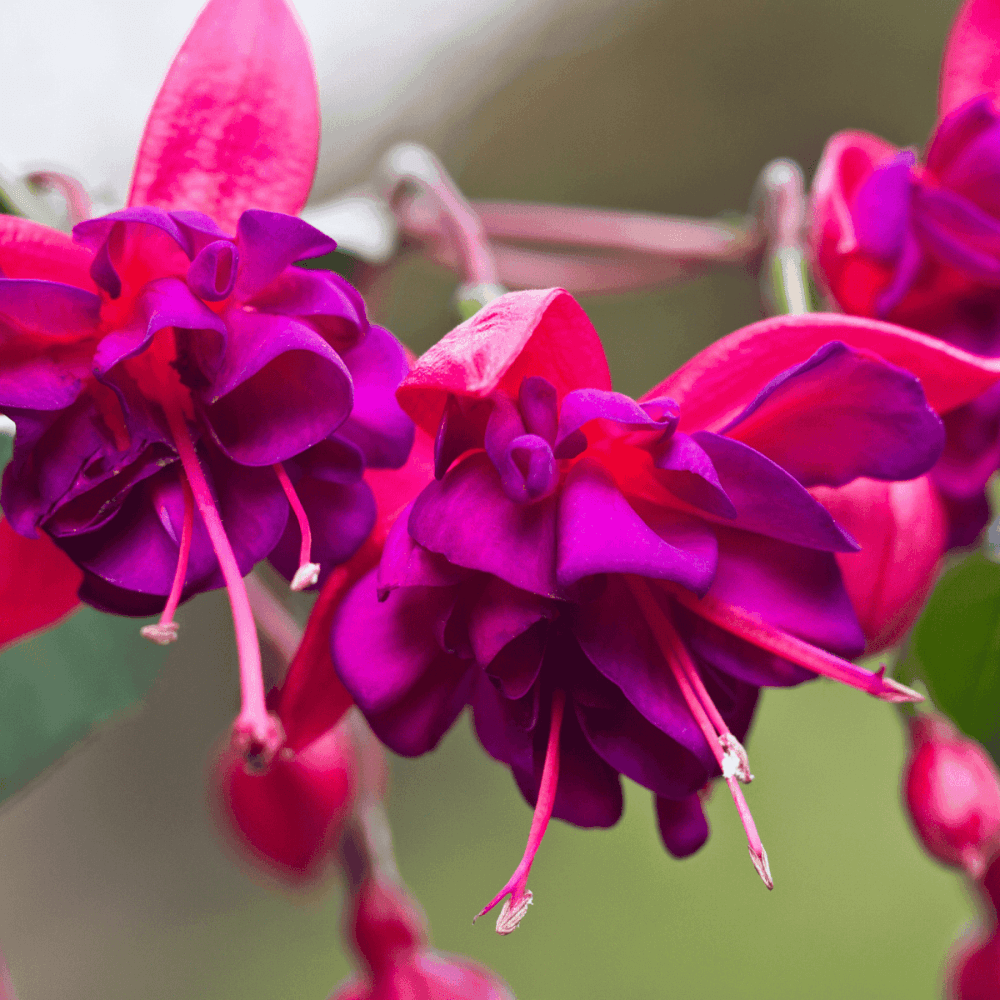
<point>114,884</point>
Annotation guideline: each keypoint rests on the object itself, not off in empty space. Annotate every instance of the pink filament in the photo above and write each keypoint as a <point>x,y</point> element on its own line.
<point>518,882</point>
<point>253,722</point>
<point>305,550</point>
<point>754,629</point>
<point>187,529</point>
<point>701,706</point>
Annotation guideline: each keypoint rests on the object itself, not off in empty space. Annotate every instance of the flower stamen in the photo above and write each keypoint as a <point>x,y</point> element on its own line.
<point>308,572</point>
<point>515,908</point>
<point>727,750</point>
<point>256,733</point>
<point>754,629</point>
<point>164,631</point>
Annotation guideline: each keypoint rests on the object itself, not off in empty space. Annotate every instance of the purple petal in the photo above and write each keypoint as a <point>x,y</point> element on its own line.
<point>333,460</point>
<point>975,172</point>
<point>501,614</point>
<point>503,427</point>
<point>599,532</point>
<point>377,424</point>
<point>515,668</point>
<point>500,737</point>
<point>165,302</point>
<point>688,473</point>
<point>330,304</point>
<point>406,564</point>
<point>199,229</point>
<point>841,415</point>
<point>583,405</point>
<point>682,824</point>
<point>947,155</point>
<point>341,516</point>
<point>268,243</point>
<point>881,208</point>
<point>114,600</point>
<point>281,389</point>
<point>768,500</point>
<point>640,751</point>
<point>959,233</point>
<point>469,519</point>
<point>539,405</point>
<point>462,427</point>
<point>615,637</point>
<point>47,335</point>
<point>212,273</point>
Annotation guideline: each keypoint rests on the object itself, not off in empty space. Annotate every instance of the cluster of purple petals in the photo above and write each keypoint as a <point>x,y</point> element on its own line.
<point>273,364</point>
<point>948,215</point>
<point>505,579</point>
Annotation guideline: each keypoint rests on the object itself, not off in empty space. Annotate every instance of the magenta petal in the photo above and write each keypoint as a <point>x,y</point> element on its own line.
<point>959,233</point>
<point>236,122</point>
<point>841,415</point>
<point>469,519</point>
<point>688,473</point>
<point>462,427</point>
<point>682,824</point>
<point>768,500</point>
<point>971,63</point>
<point>281,389</point>
<point>212,273</point>
<point>269,242</point>
<point>515,669</point>
<point>947,154</point>
<point>599,532</point>
<point>377,424</point>
<point>165,302</point>
<point>404,563</point>
<point>583,405</point>
<point>499,616</point>
<point>881,209</point>
<point>539,405</point>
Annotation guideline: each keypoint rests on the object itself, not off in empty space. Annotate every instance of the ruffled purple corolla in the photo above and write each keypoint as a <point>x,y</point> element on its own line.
<point>188,401</point>
<point>282,385</point>
<point>608,583</point>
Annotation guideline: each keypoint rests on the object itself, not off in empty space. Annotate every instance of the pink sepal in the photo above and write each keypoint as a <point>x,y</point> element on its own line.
<point>848,160</point>
<point>38,584</point>
<point>716,384</point>
<point>538,332</point>
<point>971,63</point>
<point>31,250</point>
<point>902,530</point>
<point>236,122</point>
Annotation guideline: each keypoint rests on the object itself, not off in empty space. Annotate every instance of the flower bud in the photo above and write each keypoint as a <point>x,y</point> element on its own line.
<point>974,972</point>
<point>902,530</point>
<point>952,792</point>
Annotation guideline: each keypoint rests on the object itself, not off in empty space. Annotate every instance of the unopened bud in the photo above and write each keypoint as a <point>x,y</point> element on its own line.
<point>952,792</point>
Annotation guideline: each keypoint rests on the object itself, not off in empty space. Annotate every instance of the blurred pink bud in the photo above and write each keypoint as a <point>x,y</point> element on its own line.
<point>902,530</point>
<point>389,934</point>
<point>287,818</point>
<point>952,792</point>
<point>974,972</point>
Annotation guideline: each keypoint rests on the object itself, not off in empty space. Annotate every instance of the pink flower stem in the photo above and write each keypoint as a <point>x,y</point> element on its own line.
<point>308,572</point>
<point>256,733</point>
<point>731,762</point>
<point>165,630</point>
<point>517,885</point>
<point>6,983</point>
<point>750,626</point>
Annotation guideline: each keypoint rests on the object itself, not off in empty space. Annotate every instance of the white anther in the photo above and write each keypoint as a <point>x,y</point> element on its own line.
<point>305,576</point>
<point>735,762</point>
<point>162,633</point>
<point>511,917</point>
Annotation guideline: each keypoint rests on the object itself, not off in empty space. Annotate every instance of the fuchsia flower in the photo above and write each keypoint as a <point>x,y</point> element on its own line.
<point>975,965</point>
<point>609,583</point>
<point>918,243</point>
<point>171,357</point>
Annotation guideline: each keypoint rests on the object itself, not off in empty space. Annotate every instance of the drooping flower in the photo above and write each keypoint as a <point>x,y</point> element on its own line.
<point>608,583</point>
<point>975,963</point>
<point>918,243</point>
<point>172,359</point>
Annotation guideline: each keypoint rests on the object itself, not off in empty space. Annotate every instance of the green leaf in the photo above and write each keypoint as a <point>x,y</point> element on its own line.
<point>956,648</point>
<point>57,686</point>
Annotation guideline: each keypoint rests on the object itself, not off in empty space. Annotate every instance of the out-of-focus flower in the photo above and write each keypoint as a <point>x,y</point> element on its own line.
<point>918,243</point>
<point>975,964</point>
<point>391,938</point>
<point>952,793</point>
<point>156,363</point>
<point>901,528</point>
<point>608,583</point>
